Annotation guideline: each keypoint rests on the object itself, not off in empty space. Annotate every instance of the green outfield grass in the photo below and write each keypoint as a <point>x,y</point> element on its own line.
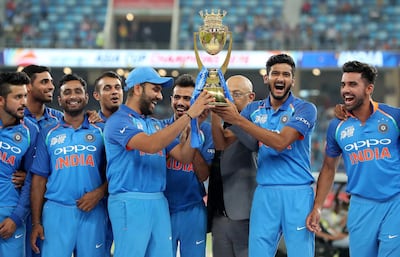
<point>209,245</point>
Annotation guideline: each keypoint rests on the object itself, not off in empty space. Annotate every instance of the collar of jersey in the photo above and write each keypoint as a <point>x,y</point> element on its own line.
<point>46,113</point>
<point>102,116</point>
<point>84,125</point>
<point>131,112</point>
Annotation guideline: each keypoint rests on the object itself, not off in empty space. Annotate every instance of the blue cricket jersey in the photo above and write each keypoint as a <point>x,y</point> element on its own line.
<point>292,165</point>
<point>183,188</point>
<point>102,116</point>
<point>68,157</point>
<point>131,170</point>
<point>370,152</point>
<point>17,149</point>
<point>50,117</point>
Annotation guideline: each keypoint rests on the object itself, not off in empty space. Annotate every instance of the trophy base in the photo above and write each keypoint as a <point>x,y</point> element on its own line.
<point>218,103</point>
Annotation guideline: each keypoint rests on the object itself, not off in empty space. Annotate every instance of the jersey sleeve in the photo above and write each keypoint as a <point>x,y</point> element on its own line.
<point>120,130</point>
<point>304,118</point>
<point>41,162</point>
<point>207,149</point>
<point>22,209</point>
<point>332,149</point>
<point>248,109</point>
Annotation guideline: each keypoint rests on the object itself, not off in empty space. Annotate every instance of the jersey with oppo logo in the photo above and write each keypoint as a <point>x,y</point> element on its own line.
<point>370,152</point>
<point>292,165</point>
<point>71,159</point>
<point>16,153</point>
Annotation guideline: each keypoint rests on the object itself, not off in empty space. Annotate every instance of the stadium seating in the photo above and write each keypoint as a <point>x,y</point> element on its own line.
<point>328,25</point>
<point>324,25</point>
<point>59,23</point>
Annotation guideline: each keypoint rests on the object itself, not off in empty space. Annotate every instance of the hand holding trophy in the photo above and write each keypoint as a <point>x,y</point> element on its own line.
<point>212,35</point>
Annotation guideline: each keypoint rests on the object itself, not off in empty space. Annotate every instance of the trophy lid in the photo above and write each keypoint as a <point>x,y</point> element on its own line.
<point>213,19</point>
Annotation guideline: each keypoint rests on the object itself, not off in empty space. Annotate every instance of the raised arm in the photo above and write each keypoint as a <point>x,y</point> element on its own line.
<point>156,142</point>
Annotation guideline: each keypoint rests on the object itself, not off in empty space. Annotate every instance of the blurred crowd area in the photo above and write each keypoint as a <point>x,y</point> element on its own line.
<point>256,25</point>
<point>52,23</point>
<point>308,24</point>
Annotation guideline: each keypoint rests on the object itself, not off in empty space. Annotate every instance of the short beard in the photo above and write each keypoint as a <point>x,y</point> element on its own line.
<point>74,113</point>
<point>13,114</point>
<point>144,105</point>
<point>355,106</point>
<point>279,97</point>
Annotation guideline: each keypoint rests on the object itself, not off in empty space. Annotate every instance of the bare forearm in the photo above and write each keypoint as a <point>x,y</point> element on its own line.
<point>200,167</point>
<point>156,142</point>
<point>325,181</point>
<point>278,141</point>
<point>102,190</point>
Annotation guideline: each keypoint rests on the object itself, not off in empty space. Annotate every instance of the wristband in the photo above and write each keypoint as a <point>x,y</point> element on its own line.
<point>190,117</point>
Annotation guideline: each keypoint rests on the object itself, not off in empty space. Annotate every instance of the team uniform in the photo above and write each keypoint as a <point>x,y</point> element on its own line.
<point>137,206</point>
<point>109,236</point>
<point>284,196</point>
<point>50,116</point>
<point>102,116</point>
<point>72,161</point>
<point>17,144</point>
<point>371,157</point>
<point>185,194</point>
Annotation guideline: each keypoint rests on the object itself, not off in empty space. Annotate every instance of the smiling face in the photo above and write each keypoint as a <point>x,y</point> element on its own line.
<point>41,88</point>
<point>150,96</point>
<point>73,97</point>
<point>180,100</point>
<point>280,80</point>
<point>355,90</point>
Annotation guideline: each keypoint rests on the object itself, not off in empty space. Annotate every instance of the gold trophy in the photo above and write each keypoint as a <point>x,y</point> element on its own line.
<point>213,35</point>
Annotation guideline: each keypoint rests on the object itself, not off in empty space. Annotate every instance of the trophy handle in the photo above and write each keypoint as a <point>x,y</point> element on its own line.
<point>228,55</point>
<point>196,51</point>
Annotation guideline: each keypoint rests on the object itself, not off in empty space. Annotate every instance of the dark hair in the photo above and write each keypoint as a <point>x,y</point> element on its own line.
<point>107,74</point>
<point>32,70</point>
<point>70,77</point>
<point>280,58</point>
<point>185,80</point>
<point>8,79</point>
<point>367,71</point>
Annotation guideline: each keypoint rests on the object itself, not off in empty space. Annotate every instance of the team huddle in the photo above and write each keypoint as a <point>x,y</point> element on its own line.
<point>75,182</point>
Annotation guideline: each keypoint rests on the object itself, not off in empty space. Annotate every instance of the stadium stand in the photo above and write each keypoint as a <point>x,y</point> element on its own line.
<point>256,25</point>
<point>53,23</point>
<point>323,25</point>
